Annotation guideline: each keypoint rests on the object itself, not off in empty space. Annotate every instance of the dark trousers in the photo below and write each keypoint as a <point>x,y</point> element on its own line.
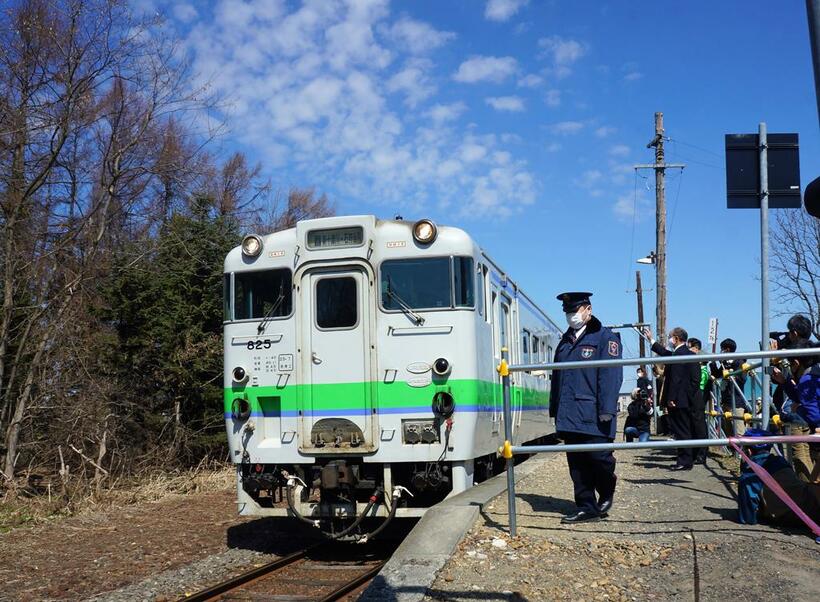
<point>680,422</point>
<point>590,471</point>
<point>699,425</point>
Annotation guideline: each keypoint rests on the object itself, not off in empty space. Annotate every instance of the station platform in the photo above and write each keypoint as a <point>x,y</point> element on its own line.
<point>670,536</point>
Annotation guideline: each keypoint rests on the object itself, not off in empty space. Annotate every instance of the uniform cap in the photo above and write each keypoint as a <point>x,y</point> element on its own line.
<point>573,300</point>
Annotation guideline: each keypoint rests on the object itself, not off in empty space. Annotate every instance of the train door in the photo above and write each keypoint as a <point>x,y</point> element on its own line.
<point>493,312</point>
<point>337,405</point>
<point>505,325</point>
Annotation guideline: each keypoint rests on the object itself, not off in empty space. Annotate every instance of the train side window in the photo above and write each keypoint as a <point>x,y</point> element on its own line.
<point>485,287</point>
<point>535,349</point>
<point>463,283</point>
<point>479,290</point>
<point>336,303</point>
<point>525,346</point>
<point>503,325</point>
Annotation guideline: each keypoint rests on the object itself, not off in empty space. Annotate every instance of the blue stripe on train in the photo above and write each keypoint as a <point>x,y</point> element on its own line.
<point>383,411</point>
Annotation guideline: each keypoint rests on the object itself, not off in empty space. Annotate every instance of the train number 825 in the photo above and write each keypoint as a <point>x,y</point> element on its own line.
<point>259,344</point>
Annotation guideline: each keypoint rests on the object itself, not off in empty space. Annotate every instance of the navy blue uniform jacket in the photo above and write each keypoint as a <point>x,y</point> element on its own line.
<point>579,396</point>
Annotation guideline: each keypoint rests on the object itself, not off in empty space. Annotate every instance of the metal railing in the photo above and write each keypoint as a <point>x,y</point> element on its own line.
<point>508,450</point>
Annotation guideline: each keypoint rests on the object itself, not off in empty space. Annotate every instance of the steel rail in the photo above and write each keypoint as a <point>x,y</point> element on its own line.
<point>353,583</point>
<point>247,577</point>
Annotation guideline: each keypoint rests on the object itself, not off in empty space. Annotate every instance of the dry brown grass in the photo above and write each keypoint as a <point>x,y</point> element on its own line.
<point>18,507</point>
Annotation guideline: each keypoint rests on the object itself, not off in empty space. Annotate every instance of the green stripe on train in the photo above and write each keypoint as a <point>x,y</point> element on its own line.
<point>394,395</point>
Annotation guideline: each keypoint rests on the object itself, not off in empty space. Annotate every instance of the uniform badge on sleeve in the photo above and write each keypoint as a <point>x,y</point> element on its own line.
<point>586,352</point>
<point>614,350</point>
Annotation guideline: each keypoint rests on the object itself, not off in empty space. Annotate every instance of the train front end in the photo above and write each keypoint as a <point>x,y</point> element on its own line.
<point>352,368</point>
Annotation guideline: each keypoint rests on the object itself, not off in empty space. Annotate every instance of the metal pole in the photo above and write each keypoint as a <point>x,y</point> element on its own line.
<point>662,359</point>
<point>764,266</point>
<point>813,14</point>
<point>673,443</point>
<point>508,436</point>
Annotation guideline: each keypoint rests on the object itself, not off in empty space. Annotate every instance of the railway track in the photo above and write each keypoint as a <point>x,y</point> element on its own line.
<point>322,573</point>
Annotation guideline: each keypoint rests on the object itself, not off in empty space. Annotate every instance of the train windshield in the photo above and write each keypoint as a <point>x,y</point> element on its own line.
<point>265,294</point>
<point>428,283</point>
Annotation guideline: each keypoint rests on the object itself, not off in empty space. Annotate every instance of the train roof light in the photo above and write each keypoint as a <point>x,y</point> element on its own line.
<point>251,245</point>
<point>425,231</point>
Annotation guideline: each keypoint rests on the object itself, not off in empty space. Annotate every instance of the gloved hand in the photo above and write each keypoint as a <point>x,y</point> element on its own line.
<point>605,417</point>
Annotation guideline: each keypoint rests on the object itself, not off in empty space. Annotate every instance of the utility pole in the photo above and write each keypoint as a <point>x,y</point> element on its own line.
<point>639,291</point>
<point>660,166</point>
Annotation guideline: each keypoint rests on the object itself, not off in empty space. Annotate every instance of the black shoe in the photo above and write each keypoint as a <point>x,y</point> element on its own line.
<point>605,505</point>
<point>679,467</point>
<point>580,517</point>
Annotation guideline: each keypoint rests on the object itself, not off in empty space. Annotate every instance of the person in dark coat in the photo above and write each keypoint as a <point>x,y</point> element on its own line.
<point>584,403</point>
<point>681,383</point>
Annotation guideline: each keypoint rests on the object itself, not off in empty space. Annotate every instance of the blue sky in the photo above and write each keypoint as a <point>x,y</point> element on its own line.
<point>520,122</point>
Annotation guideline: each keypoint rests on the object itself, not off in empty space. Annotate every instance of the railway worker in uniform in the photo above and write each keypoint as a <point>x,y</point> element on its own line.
<point>584,403</point>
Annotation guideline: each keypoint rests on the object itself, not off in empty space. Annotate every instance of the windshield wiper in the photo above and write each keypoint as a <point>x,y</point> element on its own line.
<point>269,314</point>
<point>403,306</point>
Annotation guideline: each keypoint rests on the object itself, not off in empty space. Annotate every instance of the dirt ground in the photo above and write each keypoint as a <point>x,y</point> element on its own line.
<point>670,536</point>
<point>78,557</point>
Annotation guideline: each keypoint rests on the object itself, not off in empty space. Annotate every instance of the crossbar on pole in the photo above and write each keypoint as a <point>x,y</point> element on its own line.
<point>672,359</point>
<point>684,443</point>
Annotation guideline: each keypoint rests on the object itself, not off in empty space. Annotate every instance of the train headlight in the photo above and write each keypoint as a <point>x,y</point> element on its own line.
<point>251,245</point>
<point>240,409</point>
<point>239,374</point>
<point>443,404</point>
<point>425,231</point>
<point>441,367</point>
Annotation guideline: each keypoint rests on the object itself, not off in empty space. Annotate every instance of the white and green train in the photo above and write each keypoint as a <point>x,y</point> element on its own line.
<point>360,362</point>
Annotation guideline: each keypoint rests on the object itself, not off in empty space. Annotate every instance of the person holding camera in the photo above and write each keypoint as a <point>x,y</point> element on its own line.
<point>638,414</point>
<point>802,388</point>
<point>727,390</point>
<point>799,328</point>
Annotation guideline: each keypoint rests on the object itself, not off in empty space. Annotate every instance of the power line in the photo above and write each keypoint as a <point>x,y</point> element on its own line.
<point>675,209</point>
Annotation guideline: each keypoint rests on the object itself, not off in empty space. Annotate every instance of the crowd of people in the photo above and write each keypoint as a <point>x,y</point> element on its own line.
<point>687,391</point>
<point>583,401</point>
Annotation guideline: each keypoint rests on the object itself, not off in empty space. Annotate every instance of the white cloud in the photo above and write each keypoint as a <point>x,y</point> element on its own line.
<point>419,37</point>
<point>506,103</point>
<point>604,131</point>
<point>633,76</point>
<point>530,81</point>
<point>502,10</point>
<point>413,82</point>
<point>446,112</point>
<point>590,181</point>
<point>628,206</point>
<point>553,147</point>
<point>553,98</point>
<point>335,94</point>
<point>184,12</point>
<point>562,52</point>
<point>567,127</point>
<point>486,68</point>
<point>619,150</point>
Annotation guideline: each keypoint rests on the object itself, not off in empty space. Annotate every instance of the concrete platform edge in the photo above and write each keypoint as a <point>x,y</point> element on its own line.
<point>411,570</point>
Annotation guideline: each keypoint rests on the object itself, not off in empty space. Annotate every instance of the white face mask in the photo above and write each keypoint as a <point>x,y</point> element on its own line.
<point>671,343</point>
<point>575,319</point>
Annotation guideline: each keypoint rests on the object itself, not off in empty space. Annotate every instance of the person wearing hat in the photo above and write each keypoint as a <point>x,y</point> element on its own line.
<point>584,403</point>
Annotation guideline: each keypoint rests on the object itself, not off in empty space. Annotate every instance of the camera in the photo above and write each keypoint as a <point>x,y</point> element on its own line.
<point>781,338</point>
